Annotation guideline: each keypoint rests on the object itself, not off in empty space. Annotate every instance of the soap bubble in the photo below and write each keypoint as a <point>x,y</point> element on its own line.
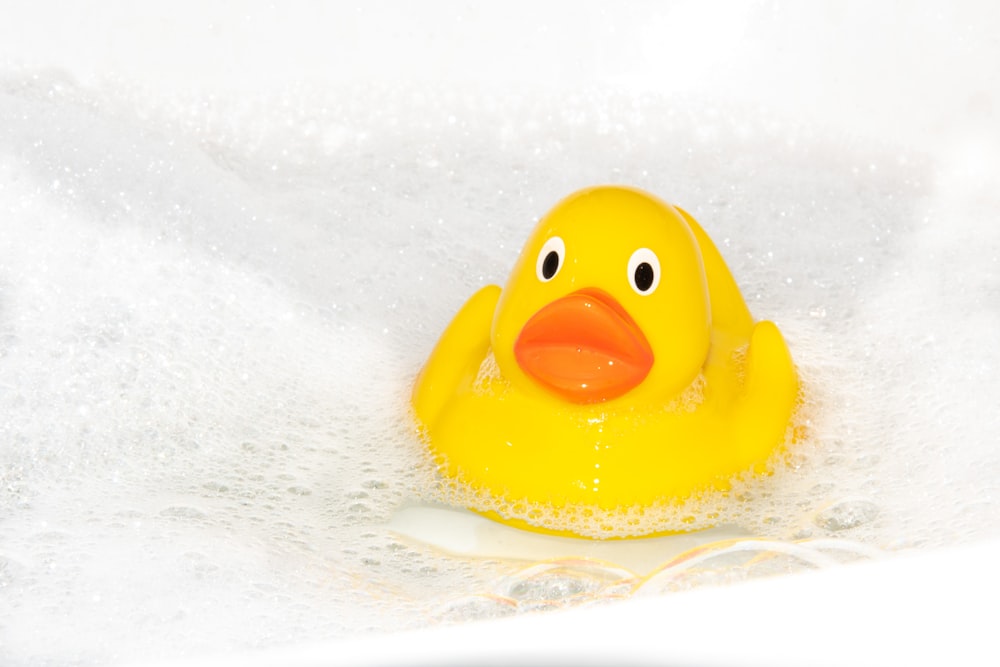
<point>846,514</point>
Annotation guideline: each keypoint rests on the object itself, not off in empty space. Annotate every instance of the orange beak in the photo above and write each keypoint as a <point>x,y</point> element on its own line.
<point>584,347</point>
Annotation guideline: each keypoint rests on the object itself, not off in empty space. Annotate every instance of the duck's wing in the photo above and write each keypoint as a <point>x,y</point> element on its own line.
<point>457,356</point>
<point>729,310</point>
<point>770,393</point>
<point>770,389</point>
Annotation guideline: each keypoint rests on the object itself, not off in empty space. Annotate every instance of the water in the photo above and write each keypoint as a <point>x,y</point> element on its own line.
<point>212,308</point>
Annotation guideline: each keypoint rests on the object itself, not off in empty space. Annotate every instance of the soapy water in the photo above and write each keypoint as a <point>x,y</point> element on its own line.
<point>211,314</point>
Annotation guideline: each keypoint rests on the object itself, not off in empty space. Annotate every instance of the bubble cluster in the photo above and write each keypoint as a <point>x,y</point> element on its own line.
<point>212,311</point>
<point>559,584</point>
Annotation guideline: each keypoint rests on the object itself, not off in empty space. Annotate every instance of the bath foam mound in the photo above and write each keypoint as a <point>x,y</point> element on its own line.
<point>212,311</point>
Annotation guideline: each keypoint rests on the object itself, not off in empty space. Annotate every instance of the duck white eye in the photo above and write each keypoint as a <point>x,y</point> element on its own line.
<point>644,271</point>
<point>550,259</point>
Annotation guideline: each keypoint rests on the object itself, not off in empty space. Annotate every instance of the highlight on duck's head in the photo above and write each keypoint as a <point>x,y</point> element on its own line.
<point>608,299</point>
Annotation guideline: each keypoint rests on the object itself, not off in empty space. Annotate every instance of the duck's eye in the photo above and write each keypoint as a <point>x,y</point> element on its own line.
<point>644,271</point>
<point>550,259</point>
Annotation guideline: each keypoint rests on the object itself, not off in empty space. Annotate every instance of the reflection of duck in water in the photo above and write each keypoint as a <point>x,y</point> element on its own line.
<point>618,367</point>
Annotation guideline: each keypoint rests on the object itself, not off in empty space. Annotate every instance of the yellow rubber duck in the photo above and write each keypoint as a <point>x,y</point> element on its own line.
<point>619,367</point>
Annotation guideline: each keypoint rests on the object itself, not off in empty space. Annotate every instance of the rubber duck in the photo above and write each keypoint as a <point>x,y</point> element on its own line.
<point>619,367</point>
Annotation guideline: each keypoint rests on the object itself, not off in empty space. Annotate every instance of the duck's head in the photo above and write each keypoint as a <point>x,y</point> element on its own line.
<point>608,299</point>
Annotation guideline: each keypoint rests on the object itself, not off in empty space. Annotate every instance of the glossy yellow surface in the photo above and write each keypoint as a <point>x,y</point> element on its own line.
<point>715,398</point>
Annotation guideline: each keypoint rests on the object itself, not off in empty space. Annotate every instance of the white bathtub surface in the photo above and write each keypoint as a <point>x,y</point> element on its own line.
<point>926,609</point>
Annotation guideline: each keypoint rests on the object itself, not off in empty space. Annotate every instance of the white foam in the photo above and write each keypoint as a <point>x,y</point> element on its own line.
<point>212,306</point>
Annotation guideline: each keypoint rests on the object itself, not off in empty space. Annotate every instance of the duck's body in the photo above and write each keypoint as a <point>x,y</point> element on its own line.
<point>619,367</point>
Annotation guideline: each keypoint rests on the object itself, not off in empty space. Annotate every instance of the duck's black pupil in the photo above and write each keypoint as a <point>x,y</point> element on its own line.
<point>550,265</point>
<point>644,276</point>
